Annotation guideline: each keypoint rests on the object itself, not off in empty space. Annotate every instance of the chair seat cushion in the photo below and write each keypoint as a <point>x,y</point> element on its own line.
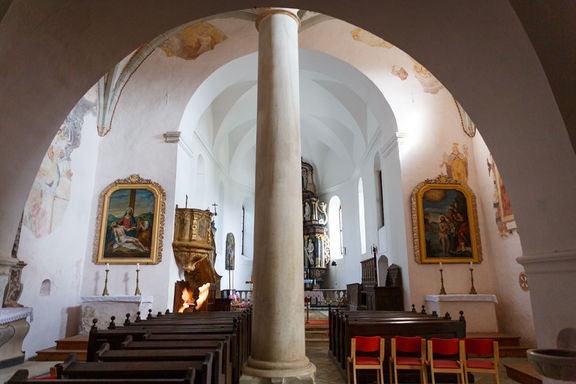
<point>480,364</point>
<point>407,361</point>
<point>446,364</point>
<point>367,360</point>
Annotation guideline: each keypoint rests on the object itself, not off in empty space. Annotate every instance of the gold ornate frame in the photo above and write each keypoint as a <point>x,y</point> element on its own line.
<point>131,182</point>
<point>442,182</point>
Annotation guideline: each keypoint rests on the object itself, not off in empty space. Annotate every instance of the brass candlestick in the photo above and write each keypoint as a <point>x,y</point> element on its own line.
<point>442,290</point>
<point>105,291</point>
<point>472,289</point>
<point>137,291</point>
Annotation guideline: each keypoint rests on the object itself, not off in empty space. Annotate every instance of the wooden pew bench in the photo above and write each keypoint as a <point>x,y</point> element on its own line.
<point>21,377</point>
<point>104,354</point>
<point>72,369</point>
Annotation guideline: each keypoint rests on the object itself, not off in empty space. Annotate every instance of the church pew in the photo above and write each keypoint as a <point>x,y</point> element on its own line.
<point>105,354</point>
<point>21,377</point>
<point>388,325</point>
<point>115,337</point>
<point>72,369</point>
<point>221,348</point>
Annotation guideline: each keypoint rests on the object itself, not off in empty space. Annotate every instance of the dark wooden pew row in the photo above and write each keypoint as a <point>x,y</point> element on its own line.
<point>21,377</point>
<point>186,327</point>
<point>72,369</point>
<point>221,349</point>
<point>104,354</point>
<point>388,325</point>
<point>343,318</point>
<point>241,320</point>
<point>174,328</point>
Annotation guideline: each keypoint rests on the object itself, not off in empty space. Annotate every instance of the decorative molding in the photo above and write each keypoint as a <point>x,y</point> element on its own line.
<point>393,143</point>
<point>171,136</point>
<point>269,12</point>
<point>551,262</point>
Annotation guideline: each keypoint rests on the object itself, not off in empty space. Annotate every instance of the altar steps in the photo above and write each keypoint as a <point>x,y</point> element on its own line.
<point>317,333</point>
<point>64,347</point>
<point>522,372</point>
<point>508,345</point>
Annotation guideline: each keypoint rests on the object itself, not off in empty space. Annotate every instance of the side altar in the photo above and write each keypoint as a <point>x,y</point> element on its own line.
<point>13,329</point>
<point>479,309</point>
<point>104,307</point>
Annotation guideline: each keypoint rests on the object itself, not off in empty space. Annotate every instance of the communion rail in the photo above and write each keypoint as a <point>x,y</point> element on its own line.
<point>318,297</point>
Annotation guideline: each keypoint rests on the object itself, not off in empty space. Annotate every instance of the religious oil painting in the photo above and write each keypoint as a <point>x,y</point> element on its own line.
<point>445,223</point>
<point>131,222</point>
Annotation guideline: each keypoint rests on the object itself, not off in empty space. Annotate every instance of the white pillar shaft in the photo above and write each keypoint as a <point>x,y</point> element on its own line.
<point>278,345</point>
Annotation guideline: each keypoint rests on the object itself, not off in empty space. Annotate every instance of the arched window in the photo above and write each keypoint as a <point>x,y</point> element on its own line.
<point>335,228</point>
<point>361,216</point>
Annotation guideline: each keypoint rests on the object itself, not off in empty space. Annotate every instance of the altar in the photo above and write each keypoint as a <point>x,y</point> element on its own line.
<point>479,310</point>
<point>104,307</point>
<point>13,329</point>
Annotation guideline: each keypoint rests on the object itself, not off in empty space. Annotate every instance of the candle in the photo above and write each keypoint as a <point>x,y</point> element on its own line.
<point>107,266</point>
<point>470,264</point>
<point>137,266</point>
<point>440,264</point>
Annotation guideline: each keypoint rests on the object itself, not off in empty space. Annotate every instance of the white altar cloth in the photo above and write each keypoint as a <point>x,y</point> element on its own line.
<point>462,297</point>
<point>8,315</point>
<point>119,299</point>
<point>479,310</point>
<point>103,308</point>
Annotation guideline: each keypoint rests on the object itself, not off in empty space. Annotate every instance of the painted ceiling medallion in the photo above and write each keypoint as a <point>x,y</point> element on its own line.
<point>193,41</point>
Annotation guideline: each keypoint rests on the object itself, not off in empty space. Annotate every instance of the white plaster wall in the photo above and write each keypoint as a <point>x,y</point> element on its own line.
<point>135,145</point>
<point>514,312</point>
<point>59,256</point>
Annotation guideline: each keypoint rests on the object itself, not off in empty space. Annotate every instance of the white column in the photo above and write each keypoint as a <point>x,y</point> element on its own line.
<point>278,345</point>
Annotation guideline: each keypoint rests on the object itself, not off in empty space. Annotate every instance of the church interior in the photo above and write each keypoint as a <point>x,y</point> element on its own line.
<point>426,163</point>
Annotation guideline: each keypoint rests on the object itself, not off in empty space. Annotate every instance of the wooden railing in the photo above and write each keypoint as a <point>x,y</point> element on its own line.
<point>319,297</point>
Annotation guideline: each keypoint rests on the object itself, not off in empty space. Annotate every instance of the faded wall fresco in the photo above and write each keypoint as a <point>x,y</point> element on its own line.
<point>467,124</point>
<point>456,163</point>
<point>366,37</point>
<point>50,191</point>
<point>504,215</point>
<point>399,72</point>
<point>429,83</point>
<point>193,41</point>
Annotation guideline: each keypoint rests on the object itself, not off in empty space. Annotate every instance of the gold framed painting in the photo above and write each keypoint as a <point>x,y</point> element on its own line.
<point>130,226</point>
<point>445,223</point>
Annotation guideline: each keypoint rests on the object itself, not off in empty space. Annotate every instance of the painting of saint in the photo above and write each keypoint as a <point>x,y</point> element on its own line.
<point>230,252</point>
<point>456,163</point>
<point>445,222</point>
<point>504,215</point>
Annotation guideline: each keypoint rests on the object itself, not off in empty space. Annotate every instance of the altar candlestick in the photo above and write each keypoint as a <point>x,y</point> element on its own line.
<point>472,289</point>
<point>442,290</point>
<point>105,291</point>
<point>137,291</point>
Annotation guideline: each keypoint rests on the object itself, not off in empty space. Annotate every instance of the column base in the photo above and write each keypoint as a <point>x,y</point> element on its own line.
<point>278,372</point>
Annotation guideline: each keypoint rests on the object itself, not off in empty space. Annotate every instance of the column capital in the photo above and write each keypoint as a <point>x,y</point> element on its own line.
<point>265,12</point>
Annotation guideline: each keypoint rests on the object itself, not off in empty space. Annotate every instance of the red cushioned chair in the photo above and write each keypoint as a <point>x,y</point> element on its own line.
<point>481,348</point>
<point>444,348</point>
<point>408,345</point>
<point>366,344</point>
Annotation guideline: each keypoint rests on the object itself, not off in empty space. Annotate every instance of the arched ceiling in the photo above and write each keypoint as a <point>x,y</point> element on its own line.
<point>339,118</point>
